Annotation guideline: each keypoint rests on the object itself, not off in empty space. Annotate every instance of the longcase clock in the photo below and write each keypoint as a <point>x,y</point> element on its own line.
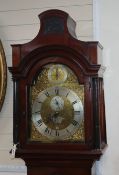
<point>59,114</point>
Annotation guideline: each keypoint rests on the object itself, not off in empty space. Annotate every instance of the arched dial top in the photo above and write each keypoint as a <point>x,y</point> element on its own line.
<point>57,105</point>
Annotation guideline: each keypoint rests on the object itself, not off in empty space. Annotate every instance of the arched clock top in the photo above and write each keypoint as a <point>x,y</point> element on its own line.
<point>56,53</point>
<point>57,28</point>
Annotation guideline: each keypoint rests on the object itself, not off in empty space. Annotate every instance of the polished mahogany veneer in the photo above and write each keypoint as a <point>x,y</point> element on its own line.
<point>56,42</point>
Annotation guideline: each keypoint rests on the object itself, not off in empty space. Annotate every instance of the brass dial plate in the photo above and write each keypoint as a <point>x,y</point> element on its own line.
<point>56,111</point>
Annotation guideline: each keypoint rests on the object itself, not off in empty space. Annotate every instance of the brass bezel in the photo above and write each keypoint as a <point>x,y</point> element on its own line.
<point>3,75</point>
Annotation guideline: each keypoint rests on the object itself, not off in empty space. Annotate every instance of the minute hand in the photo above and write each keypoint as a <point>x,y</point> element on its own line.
<point>57,103</point>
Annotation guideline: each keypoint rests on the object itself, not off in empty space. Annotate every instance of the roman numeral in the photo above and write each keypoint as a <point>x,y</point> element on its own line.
<point>40,122</point>
<point>57,133</point>
<point>37,112</point>
<point>74,102</point>
<point>76,112</point>
<point>47,94</point>
<point>39,101</point>
<point>68,131</point>
<point>67,94</point>
<point>74,122</point>
<point>57,91</point>
<point>47,131</point>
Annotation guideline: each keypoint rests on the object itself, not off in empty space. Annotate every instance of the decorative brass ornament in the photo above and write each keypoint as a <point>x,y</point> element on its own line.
<point>3,75</point>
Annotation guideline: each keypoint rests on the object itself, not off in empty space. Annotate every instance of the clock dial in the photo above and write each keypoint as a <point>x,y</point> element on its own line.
<point>57,117</point>
<point>57,106</point>
<point>57,74</point>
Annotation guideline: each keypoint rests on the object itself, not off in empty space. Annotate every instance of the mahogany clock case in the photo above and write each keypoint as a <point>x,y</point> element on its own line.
<point>56,44</point>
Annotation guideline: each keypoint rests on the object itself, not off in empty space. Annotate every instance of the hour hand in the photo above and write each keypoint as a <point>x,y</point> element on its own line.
<point>57,103</point>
